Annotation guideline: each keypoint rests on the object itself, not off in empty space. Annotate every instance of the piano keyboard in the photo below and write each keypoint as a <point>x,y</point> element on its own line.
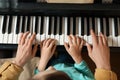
<point>58,27</point>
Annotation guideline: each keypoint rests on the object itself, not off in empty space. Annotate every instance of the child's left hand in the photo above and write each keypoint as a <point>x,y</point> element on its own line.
<point>74,47</point>
<point>48,47</point>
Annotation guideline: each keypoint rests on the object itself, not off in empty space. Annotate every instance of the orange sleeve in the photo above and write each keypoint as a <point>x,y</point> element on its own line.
<point>102,74</point>
<point>10,71</point>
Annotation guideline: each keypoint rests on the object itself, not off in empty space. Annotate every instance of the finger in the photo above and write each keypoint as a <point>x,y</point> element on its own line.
<point>78,40</point>
<point>52,43</point>
<point>34,50</point>
<point>21,35</point>
<point>44,43</point>
<point>66,46</point>
<point>94,38</point>
<point>100,40</point>
<point>49,42</point>
<point>41,43</point>
<point>70,40</point>
<point>74,40</point>
<point>24,37</point>
<point>31,39</point>
<point>105,42</point>
<point>26,41</point>
<point>81,44</point>
<point>89,48</point>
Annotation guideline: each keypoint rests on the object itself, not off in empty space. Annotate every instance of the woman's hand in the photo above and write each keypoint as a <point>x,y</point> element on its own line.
<point>25,51</point>
<point>48,47</point>
<point>74,47</point>
<point>100,52</point>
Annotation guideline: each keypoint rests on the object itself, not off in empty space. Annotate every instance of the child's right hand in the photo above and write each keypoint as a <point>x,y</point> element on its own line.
<point>74,47</point>
<point>48,47</point>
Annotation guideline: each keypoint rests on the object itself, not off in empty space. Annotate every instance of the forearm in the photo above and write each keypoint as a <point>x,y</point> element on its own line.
<point>102,74</point>
<point>42,64</point>
<point>10,71</point>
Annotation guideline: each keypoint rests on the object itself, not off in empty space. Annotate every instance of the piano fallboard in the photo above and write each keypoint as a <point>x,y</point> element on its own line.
<point>63,9</point>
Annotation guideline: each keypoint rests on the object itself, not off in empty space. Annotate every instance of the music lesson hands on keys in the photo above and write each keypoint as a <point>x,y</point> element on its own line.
<point>58,27</point>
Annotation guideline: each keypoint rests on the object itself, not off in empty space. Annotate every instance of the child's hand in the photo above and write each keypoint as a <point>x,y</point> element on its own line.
<point>47,50</point>
<point>74,47</point>
<point>25,51</point>
<point>100,52</point>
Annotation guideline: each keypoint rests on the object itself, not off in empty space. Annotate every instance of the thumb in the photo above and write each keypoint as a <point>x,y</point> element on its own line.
<point>34,50</point>
<point>89,48</point>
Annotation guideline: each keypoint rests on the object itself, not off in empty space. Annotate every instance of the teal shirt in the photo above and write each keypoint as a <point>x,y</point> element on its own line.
<point>75,71</point>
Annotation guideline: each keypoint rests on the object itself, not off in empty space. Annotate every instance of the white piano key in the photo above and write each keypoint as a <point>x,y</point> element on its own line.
<point>98,25</point>
<point>43,36</point>
<point>77,26</point>
<point>47,27</point>
<point>31,24</point>
<point>57,37</point>
<point>110,42</point>
<point>38,34</point>
<point>85,29</point>
<point>52,32</point>
<point>115,42</point>
<point>1,27</point>
<point>66,29</point>
<point>71,25</point>
<point>10,38</point>
<point>5,39</point>
<point>15,36</point>
<point>20,28</point>
<point>62,36</point>
<point>104,26</point>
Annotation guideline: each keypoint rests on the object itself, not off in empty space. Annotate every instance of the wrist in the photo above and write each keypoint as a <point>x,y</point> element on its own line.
<point>42,65</point>
<point>106,67</point>
<point>77,59</point>
<point>18,63</point>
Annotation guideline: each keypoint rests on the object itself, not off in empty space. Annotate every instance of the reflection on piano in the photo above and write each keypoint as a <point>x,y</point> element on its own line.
<point>57,21</point>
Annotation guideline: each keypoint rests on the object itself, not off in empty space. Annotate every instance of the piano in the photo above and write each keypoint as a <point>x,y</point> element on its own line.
<point>55,20</point>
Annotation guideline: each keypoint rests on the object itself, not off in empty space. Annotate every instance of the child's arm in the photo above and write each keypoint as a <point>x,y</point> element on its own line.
<point>74,47</point>
<point>100,54</point>
<point>48,47</point>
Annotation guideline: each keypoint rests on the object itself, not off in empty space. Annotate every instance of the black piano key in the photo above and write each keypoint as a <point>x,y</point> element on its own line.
<point>68,26</point>
<point>55,25</point>
<point>101,25</point>
<point>74,25</point>
<point>60,28</point>
<point>82,26</point>
<point>17,24</point>
<point>93,23</point>
<point>10,24</point>
<point>107,26</point>
<point>42,24</point>
<point>116,26</point>
<point>4,24</point>
<point>50,25</point>
<point>36,24</point>
<point>88,27</point>
<point>23,24</point>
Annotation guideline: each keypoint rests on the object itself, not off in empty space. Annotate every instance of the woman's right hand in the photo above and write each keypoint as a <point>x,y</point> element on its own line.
<point>99,53</point>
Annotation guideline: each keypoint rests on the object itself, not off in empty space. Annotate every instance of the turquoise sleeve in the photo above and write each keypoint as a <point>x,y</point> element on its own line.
<point>36,71</point>
<point>83,68</point>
